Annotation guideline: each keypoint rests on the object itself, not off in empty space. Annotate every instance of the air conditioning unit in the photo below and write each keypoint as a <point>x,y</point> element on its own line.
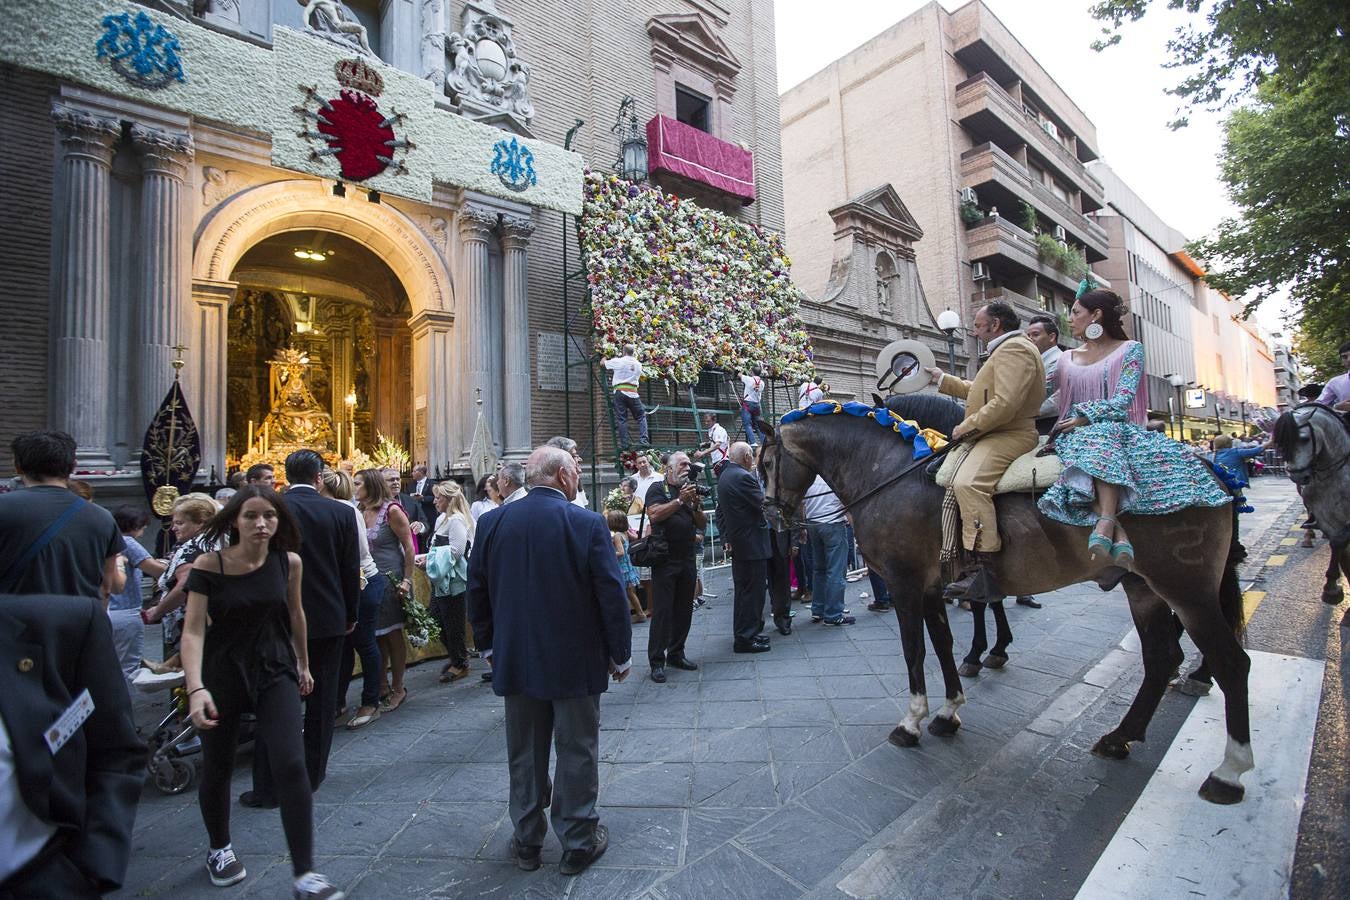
<point>968,196</point>
<point>1059,233</point>
<point>979,271</point>
<point>1049,128</point>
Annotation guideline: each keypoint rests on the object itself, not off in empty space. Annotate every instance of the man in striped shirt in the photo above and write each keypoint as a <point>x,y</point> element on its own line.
<point>627,371</point>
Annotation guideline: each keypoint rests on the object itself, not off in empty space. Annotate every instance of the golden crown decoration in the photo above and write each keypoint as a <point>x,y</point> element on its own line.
<point>357,75</point>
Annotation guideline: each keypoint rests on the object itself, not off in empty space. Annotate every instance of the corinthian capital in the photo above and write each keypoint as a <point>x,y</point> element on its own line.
<point>477,222</point>
<point>163,152</point>
<point>516,230</point>
<point>85,133</point>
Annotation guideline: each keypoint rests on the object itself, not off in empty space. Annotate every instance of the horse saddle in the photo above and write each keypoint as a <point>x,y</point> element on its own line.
<point>1027,473</point>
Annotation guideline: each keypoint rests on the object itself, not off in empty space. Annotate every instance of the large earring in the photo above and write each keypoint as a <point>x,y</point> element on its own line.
<point>1093,331</point>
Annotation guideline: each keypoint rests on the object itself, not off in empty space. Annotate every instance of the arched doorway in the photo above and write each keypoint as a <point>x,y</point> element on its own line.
<point>410,310</point>
<point>342,309</point>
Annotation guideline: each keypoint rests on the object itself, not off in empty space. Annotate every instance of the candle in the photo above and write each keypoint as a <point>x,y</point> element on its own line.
<point>250,434</point>
<point>267,436</point>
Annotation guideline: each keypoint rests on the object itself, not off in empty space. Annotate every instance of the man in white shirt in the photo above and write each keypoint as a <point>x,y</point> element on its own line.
<point>511,482</point>
<point>752,388</point>
<point>1043,331</point>
<point>827,534</point>
<point>627,372</point>
<point>718,443</point>
<point>810,392</point>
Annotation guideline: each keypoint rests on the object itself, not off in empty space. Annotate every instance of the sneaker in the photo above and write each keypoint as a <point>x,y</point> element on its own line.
<point>699,602</point>
<point>709,595</point>
<point>313,886</point>
<point>842,620</point>
<point>224,867</point>
<point>817,619</point>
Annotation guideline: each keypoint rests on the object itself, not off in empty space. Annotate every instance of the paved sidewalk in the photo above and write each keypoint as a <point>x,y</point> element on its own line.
<point>762,775</point>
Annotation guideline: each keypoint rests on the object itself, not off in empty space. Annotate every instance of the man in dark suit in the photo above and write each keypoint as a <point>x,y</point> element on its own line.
<point>744,530</point>
<point>550,611</point>
<point>330,589</point>
<point>68,785</point>
<point>421,489</point>
<point>412,506</point>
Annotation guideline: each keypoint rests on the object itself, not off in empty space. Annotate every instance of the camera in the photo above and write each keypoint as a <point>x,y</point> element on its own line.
<point>692,478</point>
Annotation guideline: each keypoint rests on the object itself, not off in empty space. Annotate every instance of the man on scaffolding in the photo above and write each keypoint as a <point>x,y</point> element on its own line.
<point>627,371</point>
<point>752,389</point>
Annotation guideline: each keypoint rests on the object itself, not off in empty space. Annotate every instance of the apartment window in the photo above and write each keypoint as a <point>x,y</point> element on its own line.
<point>1215,319</point>
<point>691,108</point>
<point>1058,189</point>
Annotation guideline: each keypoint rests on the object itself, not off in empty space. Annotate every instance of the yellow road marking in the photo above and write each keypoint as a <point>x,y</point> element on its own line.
<point>1278,559</point>
<point>1288,542</point>
<point>1250,601</point>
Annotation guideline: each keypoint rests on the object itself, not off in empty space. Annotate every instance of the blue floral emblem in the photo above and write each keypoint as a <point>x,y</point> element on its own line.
<point>141,50</point>
<point>513,164</point>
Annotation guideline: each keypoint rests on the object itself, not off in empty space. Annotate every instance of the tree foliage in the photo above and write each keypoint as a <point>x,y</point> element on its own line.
<point>1286,153</point>
<point>1240,44</point>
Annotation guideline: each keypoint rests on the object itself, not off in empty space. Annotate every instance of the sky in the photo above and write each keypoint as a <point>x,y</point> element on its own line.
<point>1120,89</point>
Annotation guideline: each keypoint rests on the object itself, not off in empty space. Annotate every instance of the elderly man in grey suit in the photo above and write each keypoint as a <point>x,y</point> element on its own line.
<point>550,610</point>
<point>745,531</point>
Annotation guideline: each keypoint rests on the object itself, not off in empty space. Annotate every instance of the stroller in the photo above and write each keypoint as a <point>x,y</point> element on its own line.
<point>174,741</point>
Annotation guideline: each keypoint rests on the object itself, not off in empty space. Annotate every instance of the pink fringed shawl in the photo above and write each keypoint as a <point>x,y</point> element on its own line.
<point>1098,381</point>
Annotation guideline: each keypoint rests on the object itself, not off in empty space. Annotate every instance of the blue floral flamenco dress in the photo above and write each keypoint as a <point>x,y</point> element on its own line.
<point>1156,474</point>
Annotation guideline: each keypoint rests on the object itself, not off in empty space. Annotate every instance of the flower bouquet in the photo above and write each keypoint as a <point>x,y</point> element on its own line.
<point>418,626</point>
<point>617,499</point>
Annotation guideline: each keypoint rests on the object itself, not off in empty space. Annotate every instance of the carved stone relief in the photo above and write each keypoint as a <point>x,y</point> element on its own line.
<point>331,20</point>
<point>218,184</point>
<point>484,75</point>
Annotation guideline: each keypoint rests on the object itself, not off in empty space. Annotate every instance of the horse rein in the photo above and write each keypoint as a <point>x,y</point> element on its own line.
<point>777,504</point>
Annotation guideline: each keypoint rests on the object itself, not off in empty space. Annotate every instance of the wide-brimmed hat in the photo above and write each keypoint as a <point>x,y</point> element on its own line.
<point>901,365</point>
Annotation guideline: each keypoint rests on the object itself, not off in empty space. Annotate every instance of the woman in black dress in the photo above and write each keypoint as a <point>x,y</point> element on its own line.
<point>244,650</point>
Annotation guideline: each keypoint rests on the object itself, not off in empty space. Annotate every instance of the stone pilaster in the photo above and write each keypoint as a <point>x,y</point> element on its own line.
<point>433,357</point>
<point>164,278</point>
<point>79,372</point>
<point>516,231</point>
<point>476,225</point>
<point>205,375</point>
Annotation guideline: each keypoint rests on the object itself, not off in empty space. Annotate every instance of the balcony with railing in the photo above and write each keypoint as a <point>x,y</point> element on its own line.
<point>988,111</point>
<point>1001,180</point>
<point>1000,239</point>
<point>689,153</point>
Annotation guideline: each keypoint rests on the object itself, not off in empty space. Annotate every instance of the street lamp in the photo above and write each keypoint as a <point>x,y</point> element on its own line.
<point>1176,381</point>
<point>632,161</point>
<point>949,321</point>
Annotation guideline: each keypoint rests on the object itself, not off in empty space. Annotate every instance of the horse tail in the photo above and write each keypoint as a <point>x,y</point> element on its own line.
<point>1230,592</point>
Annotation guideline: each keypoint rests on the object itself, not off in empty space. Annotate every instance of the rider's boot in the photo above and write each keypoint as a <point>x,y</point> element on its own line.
<point>979,584</point>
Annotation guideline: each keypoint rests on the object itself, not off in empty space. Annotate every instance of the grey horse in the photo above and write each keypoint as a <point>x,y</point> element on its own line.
<point>898,526</point>
<point>1315,442</point>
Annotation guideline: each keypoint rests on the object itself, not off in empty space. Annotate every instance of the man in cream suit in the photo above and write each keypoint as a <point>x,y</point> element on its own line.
<point>1000,424</point>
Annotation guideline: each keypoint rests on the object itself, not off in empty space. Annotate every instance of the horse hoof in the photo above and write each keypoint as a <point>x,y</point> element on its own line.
<point>1192,687</point>
<point>1334,597</point>
<point>994,661</point>
<point>1111,748</point>
<point>943,727</point>
<point>1221,792</point>
<point>969,669</point>
<point>902,738</point>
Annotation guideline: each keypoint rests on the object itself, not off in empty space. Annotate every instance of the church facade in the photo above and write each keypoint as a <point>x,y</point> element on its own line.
<point>374,194</point>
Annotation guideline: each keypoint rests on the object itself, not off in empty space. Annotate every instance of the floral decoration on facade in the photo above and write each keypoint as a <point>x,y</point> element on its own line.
<point>141,50</point>
<point>691,288</point>
<point>351,126</point>
<point>628,459</point>
<point>513,164</point>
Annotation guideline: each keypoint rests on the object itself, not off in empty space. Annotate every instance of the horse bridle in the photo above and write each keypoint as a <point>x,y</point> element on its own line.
<point>1312,468</point>
<point>777,504</point>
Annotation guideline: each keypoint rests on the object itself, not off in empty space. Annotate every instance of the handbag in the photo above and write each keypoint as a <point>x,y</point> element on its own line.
<point>650,550</point>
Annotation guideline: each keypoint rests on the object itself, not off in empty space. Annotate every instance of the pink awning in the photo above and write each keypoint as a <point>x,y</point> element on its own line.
<point>681,149</point>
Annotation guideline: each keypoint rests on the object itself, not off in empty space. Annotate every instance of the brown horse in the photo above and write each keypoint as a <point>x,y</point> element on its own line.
<point>1181,562</point>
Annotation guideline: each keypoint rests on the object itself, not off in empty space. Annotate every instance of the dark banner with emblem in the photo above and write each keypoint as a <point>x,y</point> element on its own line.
<point>171,453</point>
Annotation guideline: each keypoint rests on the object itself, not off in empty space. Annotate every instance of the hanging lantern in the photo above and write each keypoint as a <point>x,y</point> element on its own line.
<point>632,161</point>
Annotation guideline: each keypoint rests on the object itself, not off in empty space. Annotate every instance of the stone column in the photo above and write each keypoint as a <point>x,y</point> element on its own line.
<point>79,371</point>
<point>164,280</point>
<point>476,224</point>
<point>433,357</point>
<point>205,376</point>
<point>516,231</point>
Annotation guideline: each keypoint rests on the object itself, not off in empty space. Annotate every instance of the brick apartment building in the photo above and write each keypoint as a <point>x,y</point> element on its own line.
<point>986,152</point>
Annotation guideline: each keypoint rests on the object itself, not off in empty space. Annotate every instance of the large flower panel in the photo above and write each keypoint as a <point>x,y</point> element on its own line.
<point>690,287</point>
